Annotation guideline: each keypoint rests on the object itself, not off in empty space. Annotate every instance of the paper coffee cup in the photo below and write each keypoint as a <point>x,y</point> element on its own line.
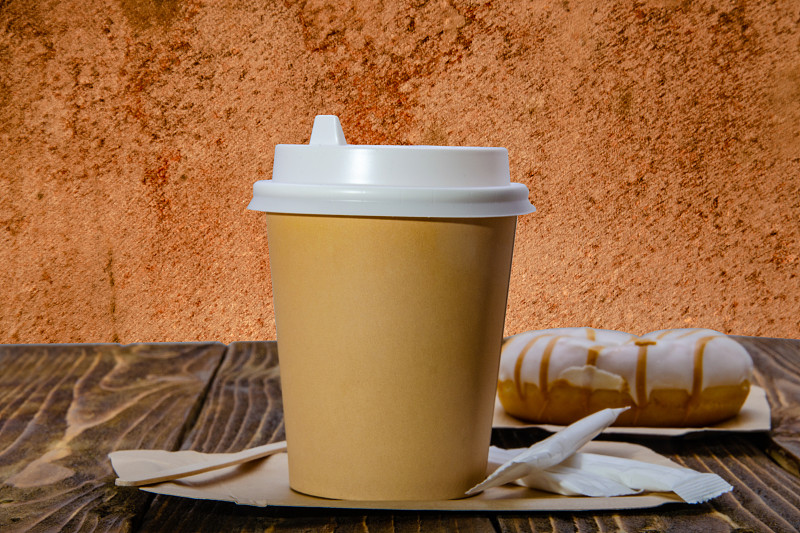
<point>390,269</point>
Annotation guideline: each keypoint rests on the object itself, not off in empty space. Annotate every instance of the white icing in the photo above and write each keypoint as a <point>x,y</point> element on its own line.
<point>725,361</point>
<point>592,377</point>
<point>670,360</point>
<point>620,360</point>
<point>670,365</point>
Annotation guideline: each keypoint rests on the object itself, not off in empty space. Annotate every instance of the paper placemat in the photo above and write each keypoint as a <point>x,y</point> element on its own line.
<point>754,416</point>
<point>265,482</point>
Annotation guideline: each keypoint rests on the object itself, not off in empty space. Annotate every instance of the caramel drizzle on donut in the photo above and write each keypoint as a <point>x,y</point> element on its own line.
<point>543,367</point>
<point>697,377</point>
<point>518,365</point>
<point>594,353</point>
<point>641,371</point>
<point>697,374</point>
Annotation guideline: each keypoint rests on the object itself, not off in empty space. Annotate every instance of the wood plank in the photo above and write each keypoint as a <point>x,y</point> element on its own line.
<point>244,409</point>
<point>63,408</point>
<point>777,364</point>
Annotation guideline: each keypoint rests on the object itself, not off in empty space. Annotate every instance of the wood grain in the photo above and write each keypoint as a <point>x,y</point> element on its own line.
<point>244,409</point>
<point>777,364</point>
<point>64,407</point>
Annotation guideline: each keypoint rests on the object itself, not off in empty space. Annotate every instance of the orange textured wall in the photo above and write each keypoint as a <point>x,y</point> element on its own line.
<point>660,141</point>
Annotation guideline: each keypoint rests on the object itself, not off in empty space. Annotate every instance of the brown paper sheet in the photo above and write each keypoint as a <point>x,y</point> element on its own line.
<point>265,482</point>
<point>754,416</point>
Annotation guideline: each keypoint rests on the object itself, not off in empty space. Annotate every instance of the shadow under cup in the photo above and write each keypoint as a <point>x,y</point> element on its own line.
<point>389,334</point>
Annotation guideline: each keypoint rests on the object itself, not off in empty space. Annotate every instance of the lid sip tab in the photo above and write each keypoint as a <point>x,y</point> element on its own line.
<point>330,177</point>
<point>327,130</point>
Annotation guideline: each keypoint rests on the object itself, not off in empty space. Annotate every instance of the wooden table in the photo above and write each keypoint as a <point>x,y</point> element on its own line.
<point>64,407</point>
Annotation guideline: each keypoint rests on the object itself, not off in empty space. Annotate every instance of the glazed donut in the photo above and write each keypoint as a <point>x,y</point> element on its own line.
<point>669,378</point>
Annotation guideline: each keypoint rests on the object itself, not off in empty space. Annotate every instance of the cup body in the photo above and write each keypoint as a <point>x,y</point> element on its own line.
<point>389,333</point>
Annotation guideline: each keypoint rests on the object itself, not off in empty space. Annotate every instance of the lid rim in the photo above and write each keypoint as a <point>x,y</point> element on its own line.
<point>383,200</point>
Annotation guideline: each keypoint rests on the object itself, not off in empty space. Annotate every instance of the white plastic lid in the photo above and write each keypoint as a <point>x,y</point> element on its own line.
<point>330,177</point>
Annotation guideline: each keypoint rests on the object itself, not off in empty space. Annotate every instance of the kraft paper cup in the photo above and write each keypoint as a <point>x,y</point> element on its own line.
<point>389,325</point>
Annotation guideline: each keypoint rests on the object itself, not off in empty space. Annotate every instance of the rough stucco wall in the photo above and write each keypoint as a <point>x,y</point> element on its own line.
<point>660,142</point>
